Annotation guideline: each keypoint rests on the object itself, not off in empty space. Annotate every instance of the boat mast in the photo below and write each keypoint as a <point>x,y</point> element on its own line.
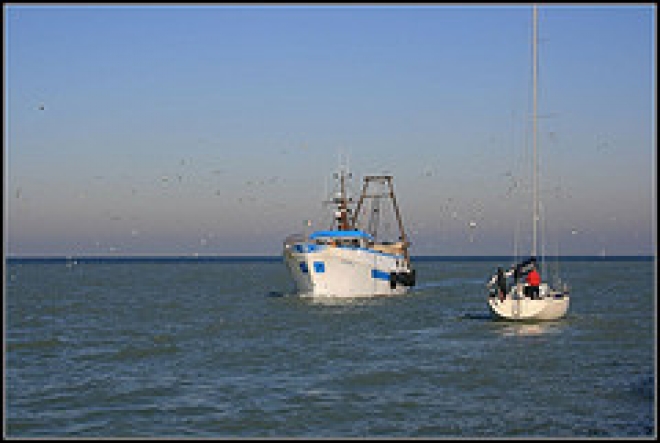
<point>534,131</point>
<point>342,217</point>
<point>404,240</point>
<point>340,198</point>
<point>384,179</point>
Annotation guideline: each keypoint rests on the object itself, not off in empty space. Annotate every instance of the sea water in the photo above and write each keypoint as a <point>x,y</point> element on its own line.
<point>222,348</point>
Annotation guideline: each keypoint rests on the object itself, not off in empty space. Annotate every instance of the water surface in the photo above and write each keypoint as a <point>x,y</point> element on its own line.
<point>221,348</point>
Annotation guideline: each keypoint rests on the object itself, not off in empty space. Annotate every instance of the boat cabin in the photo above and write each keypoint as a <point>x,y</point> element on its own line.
<point>347,239</point>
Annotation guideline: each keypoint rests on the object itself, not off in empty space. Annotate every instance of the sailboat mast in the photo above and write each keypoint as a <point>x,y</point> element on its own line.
<point>535,215</point>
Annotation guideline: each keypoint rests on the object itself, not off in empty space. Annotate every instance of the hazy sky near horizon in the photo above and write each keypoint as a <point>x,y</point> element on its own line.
<point>211,129</point>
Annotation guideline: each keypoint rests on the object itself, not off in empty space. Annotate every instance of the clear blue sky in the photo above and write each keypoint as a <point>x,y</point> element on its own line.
<point>213,129</point>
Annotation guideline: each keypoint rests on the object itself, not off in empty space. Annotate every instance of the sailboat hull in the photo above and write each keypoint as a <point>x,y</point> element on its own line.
<point>552,305</point>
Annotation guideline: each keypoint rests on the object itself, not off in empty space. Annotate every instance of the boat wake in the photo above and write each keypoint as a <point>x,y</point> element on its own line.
<point>448,283</point>
<point>340,300</point>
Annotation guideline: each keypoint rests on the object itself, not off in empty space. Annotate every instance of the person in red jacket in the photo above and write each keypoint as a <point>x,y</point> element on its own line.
<point>533,280</point>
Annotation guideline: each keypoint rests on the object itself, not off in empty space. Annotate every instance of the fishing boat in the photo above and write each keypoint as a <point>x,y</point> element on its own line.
<point>352,258</point>
<point>518,300</point>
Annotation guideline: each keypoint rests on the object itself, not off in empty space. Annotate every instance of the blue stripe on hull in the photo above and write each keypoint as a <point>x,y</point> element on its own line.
<point>382,275</point>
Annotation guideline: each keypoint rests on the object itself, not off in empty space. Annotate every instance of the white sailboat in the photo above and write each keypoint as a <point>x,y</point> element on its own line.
<point>515,301</point>
<point>348,260</point>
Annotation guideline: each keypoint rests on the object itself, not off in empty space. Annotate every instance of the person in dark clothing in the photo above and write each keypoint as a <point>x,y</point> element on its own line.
<point>516,273</point>
<point>501,283</point>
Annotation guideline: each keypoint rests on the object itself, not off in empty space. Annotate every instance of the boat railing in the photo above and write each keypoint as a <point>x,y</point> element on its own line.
<point>396,248</point>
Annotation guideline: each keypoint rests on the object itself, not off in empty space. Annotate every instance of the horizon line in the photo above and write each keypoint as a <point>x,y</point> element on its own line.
<point>193,256</point>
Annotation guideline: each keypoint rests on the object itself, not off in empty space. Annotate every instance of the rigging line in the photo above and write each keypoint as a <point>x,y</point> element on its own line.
<point>543,232</point>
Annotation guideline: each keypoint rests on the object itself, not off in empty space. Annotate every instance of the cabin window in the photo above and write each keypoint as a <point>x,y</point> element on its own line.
<point>319,267</point>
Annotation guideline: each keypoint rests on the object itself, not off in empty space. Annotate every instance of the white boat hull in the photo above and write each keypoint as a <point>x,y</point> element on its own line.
<point>552,305</point>
<point>343,272</point>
